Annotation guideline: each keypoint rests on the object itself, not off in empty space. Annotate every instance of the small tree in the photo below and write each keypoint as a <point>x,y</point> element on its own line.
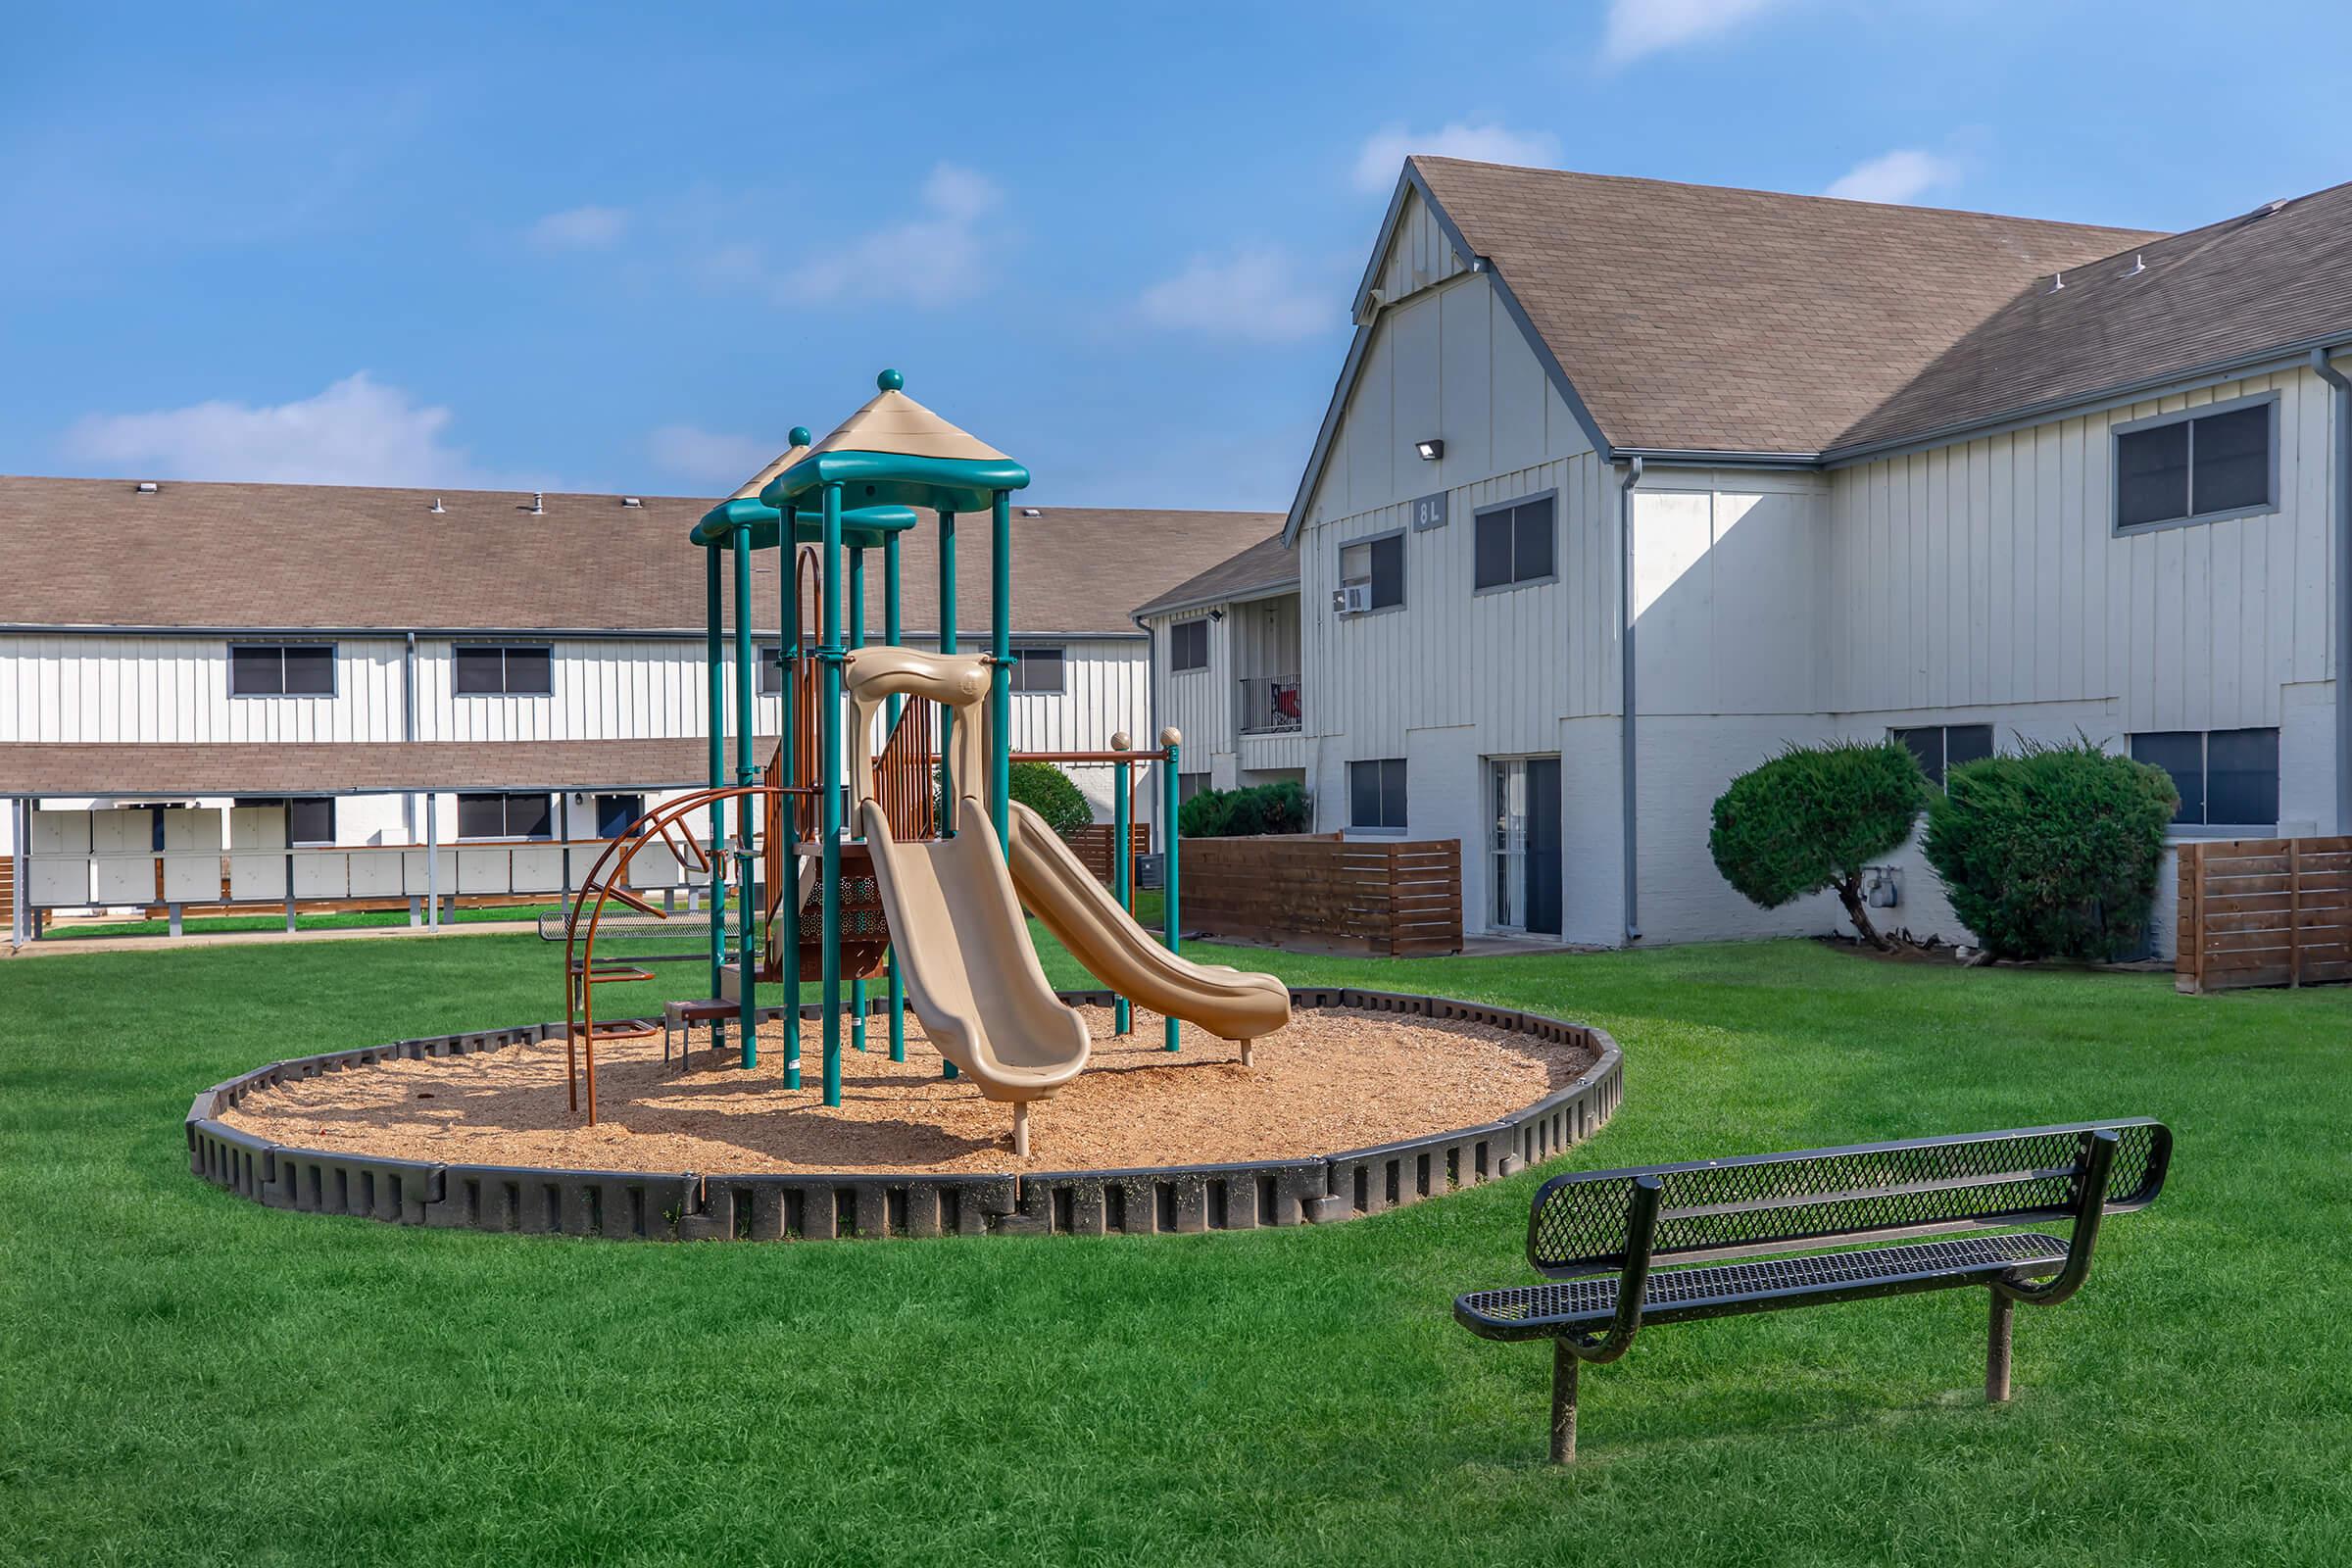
<point>2052,852</point>
<point>1813,817</point>
<point>1047,791</point>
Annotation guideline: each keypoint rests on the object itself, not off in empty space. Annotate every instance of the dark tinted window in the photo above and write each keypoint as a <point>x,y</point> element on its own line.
<point>310,820</point>
<point>255,672</point>
<point>2181,754</point>
<point>1942,746</point>
<point>481,671</point>
<point>615,815</point>
<point>1036,669</point>
<point>1388,571</point>
<point>771,675</point>
<point>1514,544</point>
<point>481,816</point>
<point>2230,465</point>
<point>1189,785</point>
<point>530,672</point>
<point>530,816</point>
<point>1376,793</point>
<point>1188,645</point>
<point>1966,743</point>
<point>311,670</point>
<point>2241,776</point>
<point>2194,468</point>
<point>1491,566</point>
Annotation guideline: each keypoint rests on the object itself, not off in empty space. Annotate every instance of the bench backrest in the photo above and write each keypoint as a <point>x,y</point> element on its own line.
<point>1817,1197</point>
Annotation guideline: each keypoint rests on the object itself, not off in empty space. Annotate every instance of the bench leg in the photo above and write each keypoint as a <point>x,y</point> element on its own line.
<point>1564,1365</point>
<point>1996,1349</point>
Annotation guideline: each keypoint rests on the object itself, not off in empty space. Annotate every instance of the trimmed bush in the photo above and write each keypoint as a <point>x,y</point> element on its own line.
<point>1280,808</point>
<point>2052,852</point>
<point>1047,791</point>
<point>1813,817</point>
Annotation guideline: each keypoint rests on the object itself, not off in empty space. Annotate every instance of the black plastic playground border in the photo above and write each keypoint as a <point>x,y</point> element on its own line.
<point>688,1205</point>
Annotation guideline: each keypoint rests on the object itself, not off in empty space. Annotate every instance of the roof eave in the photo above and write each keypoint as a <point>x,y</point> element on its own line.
<point>1228,596</point>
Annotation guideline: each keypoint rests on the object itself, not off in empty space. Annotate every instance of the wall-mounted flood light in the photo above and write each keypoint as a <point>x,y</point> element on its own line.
<point>1431,451</point>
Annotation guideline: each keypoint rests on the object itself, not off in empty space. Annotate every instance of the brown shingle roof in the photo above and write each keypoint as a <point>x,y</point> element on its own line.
<point>2269,281</point>
<point>1266,564</point>
<point>96,553</point>
<point>1696,317</point>
<point>331,768</point>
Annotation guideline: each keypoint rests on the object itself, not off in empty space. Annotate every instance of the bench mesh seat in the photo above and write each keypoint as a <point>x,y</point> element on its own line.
<point>1538,1312</point>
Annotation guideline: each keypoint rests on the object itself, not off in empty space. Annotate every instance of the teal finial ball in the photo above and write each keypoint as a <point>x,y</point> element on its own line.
<point>799,436</point>
<point>891,381</point>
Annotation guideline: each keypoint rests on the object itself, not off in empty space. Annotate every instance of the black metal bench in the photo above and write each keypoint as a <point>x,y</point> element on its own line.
<point>1600,1232</point>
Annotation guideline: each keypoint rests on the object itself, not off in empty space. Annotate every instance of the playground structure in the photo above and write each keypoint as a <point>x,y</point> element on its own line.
<point>928,894</point>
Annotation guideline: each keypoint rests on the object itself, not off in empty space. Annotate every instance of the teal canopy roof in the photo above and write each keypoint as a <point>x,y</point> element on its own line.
<point>862,528</point>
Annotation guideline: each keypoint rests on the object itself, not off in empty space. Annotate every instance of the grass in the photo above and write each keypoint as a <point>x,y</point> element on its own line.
<point>190,1379</point>
<point>276,920</point>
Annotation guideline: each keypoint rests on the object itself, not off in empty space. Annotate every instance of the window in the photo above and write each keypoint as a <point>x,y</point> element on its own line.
<point>771,675</point>
<point>615,815</point>
<point>2226,777</point>
<point>281,669</point>
<point>1942,746</point>
<point>1189,785</point>
<point>310,819</point>
<point>1188,646</point>
<point>2205,464</point>
<point>505,816</point>
<point>1513,544</point>
<point>1378,563</point>
<point>1036,669</point>
<point>505,671</point>
<point>1376,794</point>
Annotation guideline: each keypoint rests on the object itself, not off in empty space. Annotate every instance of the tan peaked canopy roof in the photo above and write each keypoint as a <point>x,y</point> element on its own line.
<point>893,421</point>
<point>749,489</point>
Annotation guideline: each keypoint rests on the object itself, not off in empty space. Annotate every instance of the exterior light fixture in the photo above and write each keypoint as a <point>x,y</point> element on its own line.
<point>1431,451</point>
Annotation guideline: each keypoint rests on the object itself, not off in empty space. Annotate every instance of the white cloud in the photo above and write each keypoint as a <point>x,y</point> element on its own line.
<point>1638,27</point>
<point>1383,151</point>
<point>935,258</point>
<point>580,228</point>
<point>1259,293</point>
<point>1902,175</point>
<point>358,431</point>
<point>709,460</point>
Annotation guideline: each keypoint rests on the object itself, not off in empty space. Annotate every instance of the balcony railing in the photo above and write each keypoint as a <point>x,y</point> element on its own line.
<point>1271,705</point>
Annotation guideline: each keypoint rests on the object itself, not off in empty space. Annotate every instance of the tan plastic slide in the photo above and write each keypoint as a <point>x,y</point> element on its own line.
<point>1084,918</point>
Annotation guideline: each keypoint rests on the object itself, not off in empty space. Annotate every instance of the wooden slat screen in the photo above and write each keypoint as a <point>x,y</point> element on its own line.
<point>1395,898</point>
<point>2264,912</point>
<point>1091,845</point>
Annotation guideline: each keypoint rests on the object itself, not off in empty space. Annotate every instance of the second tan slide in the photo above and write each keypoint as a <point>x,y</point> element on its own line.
<point>1084,918</point>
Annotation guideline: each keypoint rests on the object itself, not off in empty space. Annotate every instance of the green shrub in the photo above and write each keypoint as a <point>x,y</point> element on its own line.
<point>1813,817</point>
<point>1279,807</point>
<point>1047,791</point>
<point>2052,852</point>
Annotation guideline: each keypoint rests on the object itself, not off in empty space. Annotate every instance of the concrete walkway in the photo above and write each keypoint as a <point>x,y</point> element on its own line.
<point>54,945</point>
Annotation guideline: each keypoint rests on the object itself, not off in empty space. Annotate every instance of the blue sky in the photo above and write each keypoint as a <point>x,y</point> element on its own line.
<point>626,248</point>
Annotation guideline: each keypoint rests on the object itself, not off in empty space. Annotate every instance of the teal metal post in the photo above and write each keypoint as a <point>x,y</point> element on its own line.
<point>1122,838</point>
<point>947,717</point>
<point>946,646</point>
<point>828,654</point>
<point>999,676</point>
<point>894,633</point>
<point>1172,740</point>
<point>858,640</point>
<point>788,806</point>
<point>716,672</point>
<point>747,772</point>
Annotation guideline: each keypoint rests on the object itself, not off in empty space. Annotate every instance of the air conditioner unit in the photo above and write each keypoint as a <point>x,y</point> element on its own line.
<point>1351,598</point>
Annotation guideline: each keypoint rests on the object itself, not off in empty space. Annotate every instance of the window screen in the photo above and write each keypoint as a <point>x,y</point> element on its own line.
<point>1036,669</point>
<point>505,816</point>
<point>2226,777</point>
<point>486,672</point>
<point>1942,746</point>
<point>2194,468</point>
<point>1376,793</point>
<point>1514,544</point>
<point>279,669</point>
<point>771,677</point>
<point>1188,646</point>
<point>310,820</point>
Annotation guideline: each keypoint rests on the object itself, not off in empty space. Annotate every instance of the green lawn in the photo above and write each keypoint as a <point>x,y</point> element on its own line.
<point>187,1378</point>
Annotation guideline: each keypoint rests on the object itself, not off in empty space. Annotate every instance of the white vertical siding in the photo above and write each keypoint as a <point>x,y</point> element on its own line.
<point>1988,573</point>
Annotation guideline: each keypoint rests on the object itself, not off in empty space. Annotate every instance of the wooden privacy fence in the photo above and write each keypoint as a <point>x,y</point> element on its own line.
<point>1091,845</point>
<point>2264,912</point>
<point>1392,897</point>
